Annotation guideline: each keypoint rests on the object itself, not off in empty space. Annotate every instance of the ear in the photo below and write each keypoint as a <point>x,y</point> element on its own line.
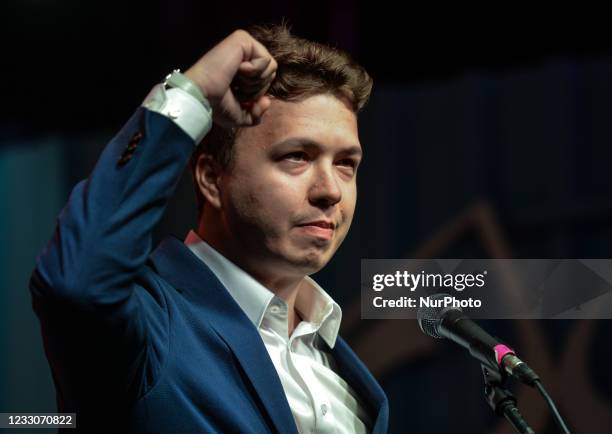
<point>208,176</point>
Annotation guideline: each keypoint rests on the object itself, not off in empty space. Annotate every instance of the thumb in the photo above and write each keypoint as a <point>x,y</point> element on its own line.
<point>260,106</point>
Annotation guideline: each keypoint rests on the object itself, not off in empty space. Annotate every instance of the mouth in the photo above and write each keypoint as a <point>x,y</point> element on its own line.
<point>321,229</point>
<point>325,224</point>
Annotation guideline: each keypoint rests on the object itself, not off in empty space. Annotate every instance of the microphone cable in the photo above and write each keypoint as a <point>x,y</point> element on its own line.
<point>553,408</point>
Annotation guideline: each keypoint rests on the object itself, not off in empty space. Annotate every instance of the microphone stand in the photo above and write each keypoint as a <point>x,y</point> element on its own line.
<point>502,401</point>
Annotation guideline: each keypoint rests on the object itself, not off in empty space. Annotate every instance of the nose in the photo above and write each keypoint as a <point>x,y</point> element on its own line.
<point>325,190</point>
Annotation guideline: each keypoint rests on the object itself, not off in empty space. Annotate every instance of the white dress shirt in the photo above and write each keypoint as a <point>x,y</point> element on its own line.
<point>182,108</point>
<point>320,400</point>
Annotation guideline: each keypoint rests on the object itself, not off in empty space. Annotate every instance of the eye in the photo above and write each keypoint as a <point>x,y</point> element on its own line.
<point>348,162</point>
<point>296,156</point>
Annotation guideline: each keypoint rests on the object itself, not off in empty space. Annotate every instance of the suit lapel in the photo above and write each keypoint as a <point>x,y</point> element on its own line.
<point>188,274</point>
<point>355,373</point>
<point>246,344</point>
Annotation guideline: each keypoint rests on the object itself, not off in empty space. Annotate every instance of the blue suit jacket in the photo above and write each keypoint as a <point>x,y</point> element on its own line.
<point>153,343</point>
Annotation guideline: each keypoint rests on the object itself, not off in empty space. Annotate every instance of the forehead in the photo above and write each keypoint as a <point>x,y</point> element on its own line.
<point>323,119</point>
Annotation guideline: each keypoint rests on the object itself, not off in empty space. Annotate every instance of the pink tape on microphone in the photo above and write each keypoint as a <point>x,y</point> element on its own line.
<point>501,351</point>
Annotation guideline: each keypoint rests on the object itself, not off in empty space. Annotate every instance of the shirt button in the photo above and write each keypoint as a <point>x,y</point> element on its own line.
<point>324,409</point>
<point>274,308</point>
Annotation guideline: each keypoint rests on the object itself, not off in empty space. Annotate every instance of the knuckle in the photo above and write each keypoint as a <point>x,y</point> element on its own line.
<point>241,33</point>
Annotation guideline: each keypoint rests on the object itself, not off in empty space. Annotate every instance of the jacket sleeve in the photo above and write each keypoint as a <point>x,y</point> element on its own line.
<point>101,330</point>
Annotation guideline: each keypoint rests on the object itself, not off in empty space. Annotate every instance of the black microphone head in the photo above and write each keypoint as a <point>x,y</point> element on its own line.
<point>430,317</point>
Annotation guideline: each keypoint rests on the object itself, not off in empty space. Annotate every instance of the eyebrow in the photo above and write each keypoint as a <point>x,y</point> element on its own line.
<point>309,143</point>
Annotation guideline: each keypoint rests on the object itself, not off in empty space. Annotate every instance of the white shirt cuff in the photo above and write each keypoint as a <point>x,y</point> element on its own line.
<point>182,108</point>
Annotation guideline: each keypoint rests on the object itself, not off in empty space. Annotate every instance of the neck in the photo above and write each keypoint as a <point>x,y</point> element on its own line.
<point>285,287</point>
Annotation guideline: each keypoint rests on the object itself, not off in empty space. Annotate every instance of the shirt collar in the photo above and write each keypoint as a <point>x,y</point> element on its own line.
<point>312,302</point>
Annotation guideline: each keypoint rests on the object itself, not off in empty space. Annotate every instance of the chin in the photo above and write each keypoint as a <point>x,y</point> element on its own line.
<point>311,262</point>
<point>305,259</point>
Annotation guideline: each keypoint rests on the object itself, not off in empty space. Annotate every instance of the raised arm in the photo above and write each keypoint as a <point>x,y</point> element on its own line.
<point>84,286</point>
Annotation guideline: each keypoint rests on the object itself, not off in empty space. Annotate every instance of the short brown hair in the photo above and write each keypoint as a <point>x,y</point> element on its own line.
<point>305,68</point>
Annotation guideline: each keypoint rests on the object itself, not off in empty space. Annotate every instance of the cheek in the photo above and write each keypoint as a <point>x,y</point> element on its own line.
<point>261,204</point>
<point>348,205</point>
<point>278,190</point>
<point>347,211</point>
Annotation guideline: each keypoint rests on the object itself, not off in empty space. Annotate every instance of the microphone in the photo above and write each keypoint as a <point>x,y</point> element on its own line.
<point>441,321</point>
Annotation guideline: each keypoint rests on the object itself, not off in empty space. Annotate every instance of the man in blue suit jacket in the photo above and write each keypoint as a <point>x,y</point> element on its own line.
<point>224,332</point>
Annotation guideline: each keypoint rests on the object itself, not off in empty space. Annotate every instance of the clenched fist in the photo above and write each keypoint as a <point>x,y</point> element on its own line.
<point>235,75</point>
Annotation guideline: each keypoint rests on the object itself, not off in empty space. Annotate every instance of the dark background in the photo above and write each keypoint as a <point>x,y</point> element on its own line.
<point>487,135</point>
